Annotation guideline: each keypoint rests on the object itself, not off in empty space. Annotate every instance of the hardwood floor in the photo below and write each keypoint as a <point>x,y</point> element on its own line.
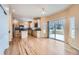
<point>39,46</point>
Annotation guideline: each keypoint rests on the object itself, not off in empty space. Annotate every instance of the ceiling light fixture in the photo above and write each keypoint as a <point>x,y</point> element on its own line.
<point>43,11</point>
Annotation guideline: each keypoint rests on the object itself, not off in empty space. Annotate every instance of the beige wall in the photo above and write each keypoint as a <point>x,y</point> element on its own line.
<point>73,10</point>
<point>10,26</point>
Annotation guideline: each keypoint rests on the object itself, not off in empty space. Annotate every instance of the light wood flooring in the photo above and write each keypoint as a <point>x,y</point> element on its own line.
<point>39,46</point>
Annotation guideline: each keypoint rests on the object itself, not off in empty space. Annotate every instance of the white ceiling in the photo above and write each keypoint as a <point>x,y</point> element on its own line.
<point>35,10</point>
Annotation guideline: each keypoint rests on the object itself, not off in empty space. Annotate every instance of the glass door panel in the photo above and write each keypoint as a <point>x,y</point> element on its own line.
<point>51,29</point>
<point>60,30</point>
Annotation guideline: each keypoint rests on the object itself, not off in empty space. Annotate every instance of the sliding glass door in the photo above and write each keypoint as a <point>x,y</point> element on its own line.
<point>56,29</point>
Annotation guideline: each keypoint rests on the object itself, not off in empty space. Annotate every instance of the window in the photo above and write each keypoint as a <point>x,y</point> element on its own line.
<point>72,27</point>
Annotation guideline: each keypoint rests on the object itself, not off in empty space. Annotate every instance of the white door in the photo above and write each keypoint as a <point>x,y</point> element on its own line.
<point>4,37</point>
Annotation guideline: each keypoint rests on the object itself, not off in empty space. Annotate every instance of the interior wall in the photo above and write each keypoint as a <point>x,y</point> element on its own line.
<point>73,10</point>
<point>4,35</point>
